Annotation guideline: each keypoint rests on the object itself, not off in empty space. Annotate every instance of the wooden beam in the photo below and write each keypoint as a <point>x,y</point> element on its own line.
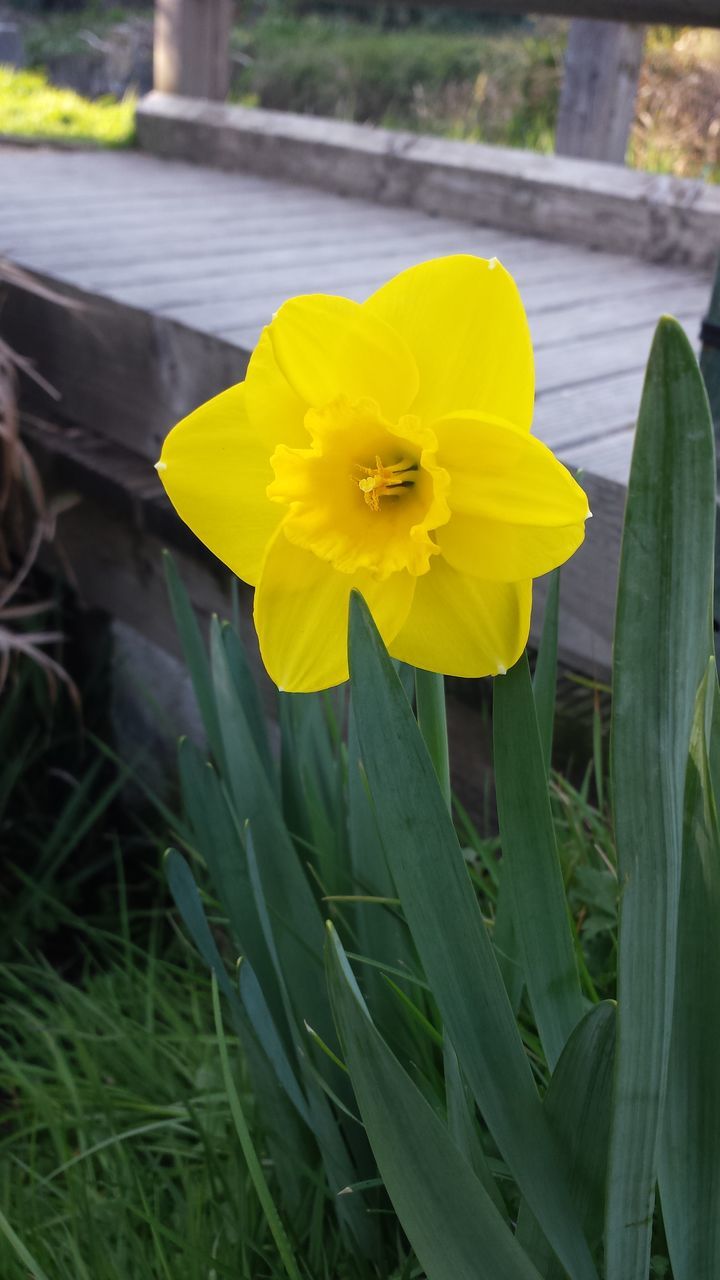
<point>597,104</point>
<point>191,53</point>
<point>684,13</point>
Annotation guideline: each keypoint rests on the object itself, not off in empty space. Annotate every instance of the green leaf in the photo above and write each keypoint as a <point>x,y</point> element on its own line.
<point>531,866</point>
<point>338,1164</point>
<point>382,934</point>
<point>462,1125</point>
<point>578,1107</point>
<point>218,840</point>
<point>545,678</point>
<point>250,698</point>
<point>191,642</point>
<point>660,652</point>
<point>690,1162</point>
<point>187,899</point>
<point>450,1220</point>
<point>252,1159</point>
<point>297,922</point>
<point>445,921</point>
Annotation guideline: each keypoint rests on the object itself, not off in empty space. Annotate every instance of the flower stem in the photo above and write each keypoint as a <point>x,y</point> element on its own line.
<point>430,701</point>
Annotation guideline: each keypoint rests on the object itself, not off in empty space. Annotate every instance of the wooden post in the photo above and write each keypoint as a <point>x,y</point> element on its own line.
<point>597,103</point>
<point>191,53</point>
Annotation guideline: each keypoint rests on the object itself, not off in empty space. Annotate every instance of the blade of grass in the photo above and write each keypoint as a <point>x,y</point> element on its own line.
<point>253,1163</point>
<point>36,1271</point>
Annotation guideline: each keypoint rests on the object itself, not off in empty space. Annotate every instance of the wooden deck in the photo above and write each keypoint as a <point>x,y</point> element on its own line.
<point>209,256</point>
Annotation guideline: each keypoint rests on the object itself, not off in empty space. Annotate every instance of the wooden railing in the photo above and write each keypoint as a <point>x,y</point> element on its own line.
<point>602,65</point>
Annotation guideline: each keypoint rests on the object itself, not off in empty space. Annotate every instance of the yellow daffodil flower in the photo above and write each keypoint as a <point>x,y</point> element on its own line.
<point>386,447</point>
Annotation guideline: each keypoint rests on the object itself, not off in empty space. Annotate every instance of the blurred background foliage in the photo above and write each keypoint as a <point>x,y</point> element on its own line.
<point>444,72</point>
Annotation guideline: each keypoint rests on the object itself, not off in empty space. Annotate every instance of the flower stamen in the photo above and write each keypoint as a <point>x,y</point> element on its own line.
<point>385,482</point>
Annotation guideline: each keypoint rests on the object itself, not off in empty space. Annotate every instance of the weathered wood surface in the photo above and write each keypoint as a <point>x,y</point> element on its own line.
<point>684,13</point>
<point>576,202</point>
<point>178,268</point>
<point>599,88</point>
<point>191,47</point>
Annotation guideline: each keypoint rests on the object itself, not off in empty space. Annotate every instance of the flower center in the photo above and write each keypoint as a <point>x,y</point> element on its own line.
<point>366,494</point>
<point>385,482</point>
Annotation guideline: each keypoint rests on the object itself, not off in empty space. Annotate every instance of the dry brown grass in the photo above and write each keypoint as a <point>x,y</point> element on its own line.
<point>27,520</point>
<point>677,125</point>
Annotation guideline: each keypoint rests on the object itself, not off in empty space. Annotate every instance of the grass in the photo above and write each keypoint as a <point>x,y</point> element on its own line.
<point>52,35</point>
<point>116,1152</point>
<point>486,87</point>
<point>479,85</point>
<point>118,1156</point>
<point>446,73</point>
<point>119,1159</point>
<point>30,107</point>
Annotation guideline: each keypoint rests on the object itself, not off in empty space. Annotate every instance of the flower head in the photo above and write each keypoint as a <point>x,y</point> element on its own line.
<point>386,447</point>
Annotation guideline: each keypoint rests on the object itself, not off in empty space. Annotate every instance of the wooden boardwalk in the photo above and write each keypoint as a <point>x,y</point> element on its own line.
<point>219,252</point>
<point>216,253</point>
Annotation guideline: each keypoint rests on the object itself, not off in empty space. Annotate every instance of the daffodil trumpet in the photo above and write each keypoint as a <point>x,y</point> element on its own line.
<point>385,447</point>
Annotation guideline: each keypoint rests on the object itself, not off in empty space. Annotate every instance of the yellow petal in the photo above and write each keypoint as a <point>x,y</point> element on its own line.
<point>276,411</point>
<point>500,472</point>
<point>301,615</point>
<point>464,626</point>
<point>516,511</point>
<point>216,471</point>
<point>465,324</point>
<point>503,552</point>
<point>329,347</point>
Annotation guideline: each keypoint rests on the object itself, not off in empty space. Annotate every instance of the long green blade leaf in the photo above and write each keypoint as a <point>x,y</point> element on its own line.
<point>462,1126</point>
<point>255,1168</point>
<point>191,642</point>
<point>690,1163</point>
<point>578,1106</point>
<point>218,839</point>
<point>187,899</point>
<point>545,678</point>
<point>531,866</point>
<point>449,1218</point>
<point>661,648</point>
<point>444,918</point>
<point>296,918</point>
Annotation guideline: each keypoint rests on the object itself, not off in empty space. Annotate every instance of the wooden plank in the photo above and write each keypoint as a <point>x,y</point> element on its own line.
<point>691,13</point>
<point>185,249</point>
<point>600,83</point>
<point>245,276</point>
<point>586,319</point>
<point>611,455</point>
<point>116,365</point>
<point>572,414</point>
<point>228,270</point>
<point>583,202</point>
<point>240,318</point>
